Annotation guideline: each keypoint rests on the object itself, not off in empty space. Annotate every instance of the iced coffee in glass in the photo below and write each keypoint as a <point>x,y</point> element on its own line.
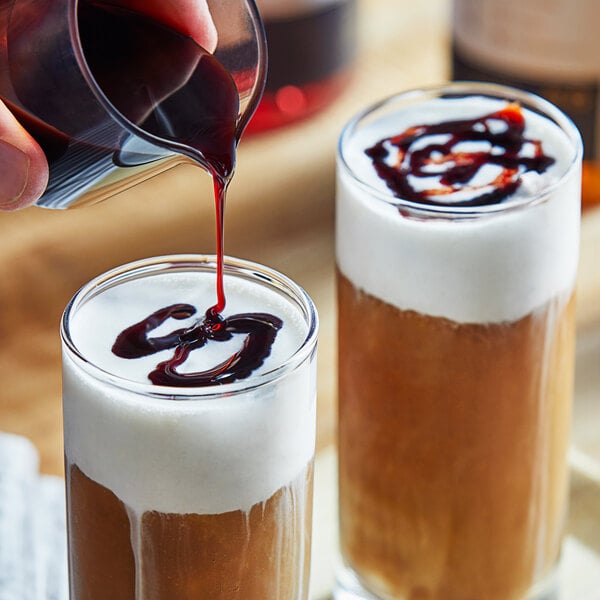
<point>457,247</point>
<point>189,443</point>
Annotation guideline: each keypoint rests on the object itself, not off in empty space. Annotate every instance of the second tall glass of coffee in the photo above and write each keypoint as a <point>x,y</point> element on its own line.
<point>457,250</point>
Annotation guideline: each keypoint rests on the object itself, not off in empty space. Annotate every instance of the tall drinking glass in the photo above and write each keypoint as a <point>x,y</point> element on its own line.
<point>200,492</point>
<point>457,249</point>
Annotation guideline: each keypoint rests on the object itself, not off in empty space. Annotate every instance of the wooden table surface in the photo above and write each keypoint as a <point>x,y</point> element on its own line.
<point>280,212</point>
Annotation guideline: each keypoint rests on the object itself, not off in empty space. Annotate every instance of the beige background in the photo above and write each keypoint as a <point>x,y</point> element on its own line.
<point>280,212</point>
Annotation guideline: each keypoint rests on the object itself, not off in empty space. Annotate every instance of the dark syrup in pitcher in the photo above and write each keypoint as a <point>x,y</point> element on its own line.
<point>157,78</point>
<point>194,101</point>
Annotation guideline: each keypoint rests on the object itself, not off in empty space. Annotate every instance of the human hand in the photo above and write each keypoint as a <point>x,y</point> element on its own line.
<point>23,165</point>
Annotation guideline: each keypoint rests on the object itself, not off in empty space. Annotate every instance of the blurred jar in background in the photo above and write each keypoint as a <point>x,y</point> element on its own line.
<point>311,47</point>
<point>548,47</point>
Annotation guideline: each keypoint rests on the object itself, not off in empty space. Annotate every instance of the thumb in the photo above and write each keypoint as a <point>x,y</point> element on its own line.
<point>23,165</point>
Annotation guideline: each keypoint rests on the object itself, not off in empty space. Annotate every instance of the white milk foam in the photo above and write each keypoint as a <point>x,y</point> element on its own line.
<point>488,269</point>
<point>204,456</point>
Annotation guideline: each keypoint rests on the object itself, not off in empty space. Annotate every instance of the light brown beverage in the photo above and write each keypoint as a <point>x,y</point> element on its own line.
<point>188,493</point>
<point>456,346</point>
<point>468,485</point>
<point>254,555</point>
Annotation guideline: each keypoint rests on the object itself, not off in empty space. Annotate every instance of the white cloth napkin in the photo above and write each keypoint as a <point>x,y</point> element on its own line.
<point>33,544</point>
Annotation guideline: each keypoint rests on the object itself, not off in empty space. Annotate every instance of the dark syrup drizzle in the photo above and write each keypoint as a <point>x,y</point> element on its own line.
<point>260,330</point>
<point>502,130</point>
<point>199,108</point>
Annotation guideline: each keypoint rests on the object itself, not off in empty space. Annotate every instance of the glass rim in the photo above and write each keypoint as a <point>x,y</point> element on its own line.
<point>188,263</point>
<point>459,89</point>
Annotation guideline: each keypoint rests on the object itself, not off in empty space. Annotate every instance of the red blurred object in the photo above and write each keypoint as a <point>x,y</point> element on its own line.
<point>291,103</point>
<point>311,48</point>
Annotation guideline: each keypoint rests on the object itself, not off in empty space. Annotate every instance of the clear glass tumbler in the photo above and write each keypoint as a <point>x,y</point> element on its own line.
<point>456,344</point>
<point>188,492</point>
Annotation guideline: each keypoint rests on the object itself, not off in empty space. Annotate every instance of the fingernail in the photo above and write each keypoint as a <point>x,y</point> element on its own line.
<point>14,169</point>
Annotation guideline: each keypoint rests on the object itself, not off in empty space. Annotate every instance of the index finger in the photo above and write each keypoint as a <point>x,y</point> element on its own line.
<point>190,17</point>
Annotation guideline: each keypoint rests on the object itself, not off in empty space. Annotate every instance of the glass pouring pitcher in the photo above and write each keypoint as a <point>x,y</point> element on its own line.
<point>106,123</point>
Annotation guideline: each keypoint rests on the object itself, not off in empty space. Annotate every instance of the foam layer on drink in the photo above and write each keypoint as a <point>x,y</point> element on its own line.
<point>487,268</point>
<point>204,456</point>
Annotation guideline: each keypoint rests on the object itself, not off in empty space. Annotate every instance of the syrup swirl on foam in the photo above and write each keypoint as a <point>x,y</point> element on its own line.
<point>260,330</point>
<point>454,154</point>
